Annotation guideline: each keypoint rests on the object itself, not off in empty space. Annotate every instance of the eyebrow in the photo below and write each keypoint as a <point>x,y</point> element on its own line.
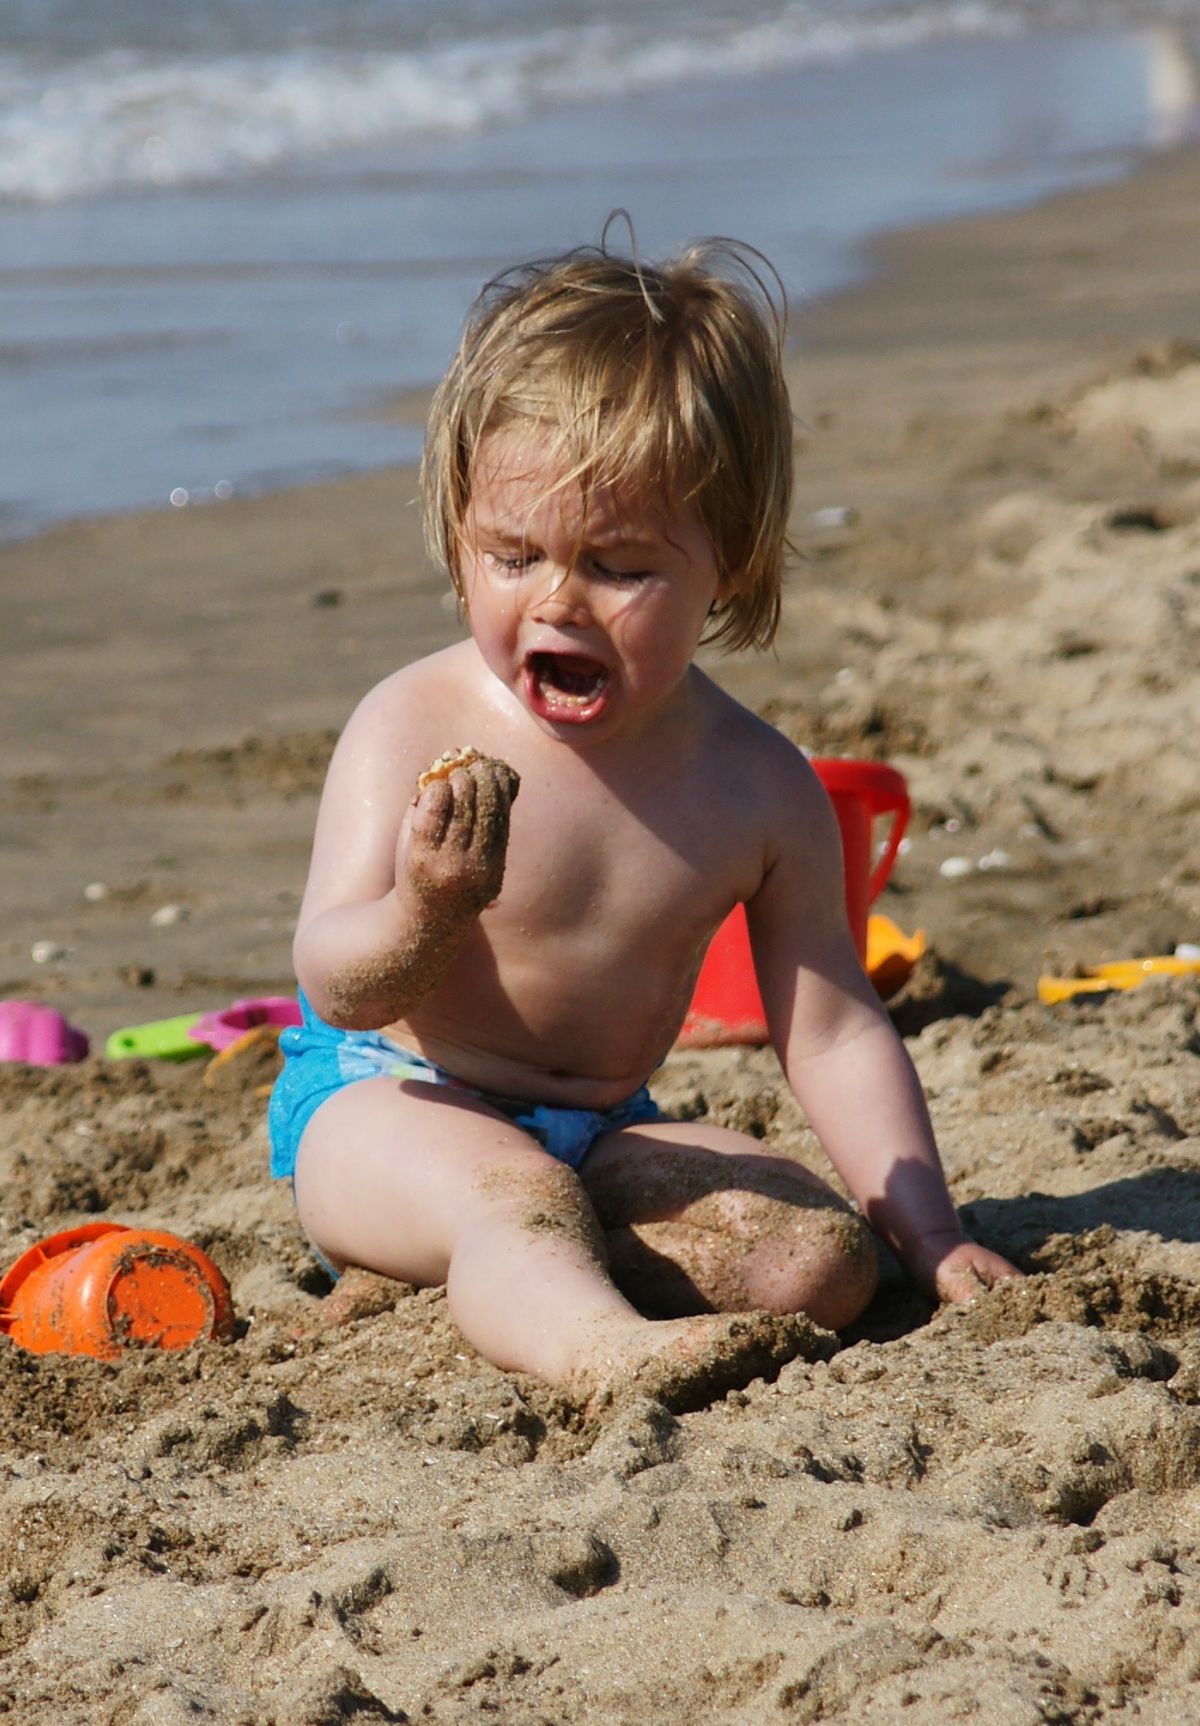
<point>604,541</point>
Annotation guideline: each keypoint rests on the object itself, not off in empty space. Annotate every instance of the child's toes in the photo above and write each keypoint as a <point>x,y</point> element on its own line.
<point>692,1362</point>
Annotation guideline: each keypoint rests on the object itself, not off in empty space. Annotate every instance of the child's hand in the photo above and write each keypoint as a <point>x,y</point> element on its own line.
<point>454,840</point>
<point>966,1270</point>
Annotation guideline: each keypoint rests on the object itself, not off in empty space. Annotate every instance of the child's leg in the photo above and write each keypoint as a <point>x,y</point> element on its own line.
<point>698,1218</point>
<point>429,1185</point>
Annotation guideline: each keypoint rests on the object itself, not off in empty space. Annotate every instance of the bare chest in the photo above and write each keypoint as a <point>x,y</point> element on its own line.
<point>586,860</point>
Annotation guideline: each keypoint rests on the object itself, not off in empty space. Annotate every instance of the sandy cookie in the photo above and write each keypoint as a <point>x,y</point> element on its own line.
<point>444,766</point>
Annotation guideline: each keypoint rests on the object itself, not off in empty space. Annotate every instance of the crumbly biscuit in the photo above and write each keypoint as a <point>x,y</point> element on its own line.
<point>444,766</point>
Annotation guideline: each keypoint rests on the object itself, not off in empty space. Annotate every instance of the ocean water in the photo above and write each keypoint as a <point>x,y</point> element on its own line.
<point>232,231</point>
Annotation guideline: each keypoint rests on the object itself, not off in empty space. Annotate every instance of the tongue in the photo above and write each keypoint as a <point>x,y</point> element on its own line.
<point>576,680</point>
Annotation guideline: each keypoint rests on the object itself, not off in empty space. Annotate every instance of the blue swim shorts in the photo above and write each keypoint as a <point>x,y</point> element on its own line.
<point>320,1060</point>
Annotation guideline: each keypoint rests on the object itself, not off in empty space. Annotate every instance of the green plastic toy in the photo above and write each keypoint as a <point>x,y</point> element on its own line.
<point>164,1040</point>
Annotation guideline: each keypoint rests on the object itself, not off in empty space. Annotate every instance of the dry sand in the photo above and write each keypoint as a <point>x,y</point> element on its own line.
<point>991,1513</point>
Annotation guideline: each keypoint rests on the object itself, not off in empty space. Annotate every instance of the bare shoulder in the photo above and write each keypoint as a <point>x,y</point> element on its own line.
<point>407,718</point>
<point>424,690</point>
<point>773,776</point>
<point>394,732</point>
<point>796,911</point>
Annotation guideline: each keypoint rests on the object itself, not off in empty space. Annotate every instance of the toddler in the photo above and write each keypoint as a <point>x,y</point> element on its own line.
<point>497,950</point>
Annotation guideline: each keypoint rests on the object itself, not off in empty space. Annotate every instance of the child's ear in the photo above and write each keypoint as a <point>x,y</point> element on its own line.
<point>729,585</point>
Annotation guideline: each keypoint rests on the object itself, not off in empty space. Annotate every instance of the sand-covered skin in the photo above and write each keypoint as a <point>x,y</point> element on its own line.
<point>988,1514</point>
<point>457,850</point>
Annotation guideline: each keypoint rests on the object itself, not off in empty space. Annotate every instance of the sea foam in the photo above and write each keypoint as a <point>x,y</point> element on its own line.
<point>128,118</point>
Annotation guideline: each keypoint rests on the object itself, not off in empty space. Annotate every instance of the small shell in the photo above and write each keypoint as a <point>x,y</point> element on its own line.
<point>444,766</point>
<point>48,952</point>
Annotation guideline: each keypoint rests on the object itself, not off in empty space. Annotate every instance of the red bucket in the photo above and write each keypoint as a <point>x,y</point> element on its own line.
<point>726,1006</point>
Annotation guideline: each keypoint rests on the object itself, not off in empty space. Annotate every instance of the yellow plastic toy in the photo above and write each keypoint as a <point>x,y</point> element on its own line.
<point>891,954</point>
<point>1117,974</point>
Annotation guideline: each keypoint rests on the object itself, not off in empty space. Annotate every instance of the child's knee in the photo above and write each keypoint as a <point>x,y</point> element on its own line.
<point>854,1267</point>
<point>542,1197</point>
<point>825,1264</point>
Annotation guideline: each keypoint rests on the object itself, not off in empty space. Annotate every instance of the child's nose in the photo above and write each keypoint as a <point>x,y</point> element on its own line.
<point>563,598</point>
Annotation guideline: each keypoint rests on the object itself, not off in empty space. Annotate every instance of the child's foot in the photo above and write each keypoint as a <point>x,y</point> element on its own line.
<point>357,1294</point>
<point>687,1363</point>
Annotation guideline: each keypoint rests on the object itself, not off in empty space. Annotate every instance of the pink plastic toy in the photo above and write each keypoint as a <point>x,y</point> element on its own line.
<point>221,1029</point>
<point>38,1035</point>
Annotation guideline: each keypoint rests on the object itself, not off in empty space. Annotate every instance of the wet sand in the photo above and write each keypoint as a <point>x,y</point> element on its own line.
<point>985,1513</point>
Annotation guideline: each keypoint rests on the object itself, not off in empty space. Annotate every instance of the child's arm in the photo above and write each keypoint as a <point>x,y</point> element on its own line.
<point>864,1101</point>
<point>849,1070</point>
<point>397,882</point>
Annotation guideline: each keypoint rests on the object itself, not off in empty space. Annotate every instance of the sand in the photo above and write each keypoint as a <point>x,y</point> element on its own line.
<point>988,1513</point>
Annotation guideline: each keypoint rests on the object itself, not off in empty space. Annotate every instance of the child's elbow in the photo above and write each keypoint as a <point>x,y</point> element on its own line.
<point>320,985</point>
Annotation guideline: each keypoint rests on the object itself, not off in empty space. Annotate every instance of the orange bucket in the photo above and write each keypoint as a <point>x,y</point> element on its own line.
<point>105,1287</point>
<point>726,1006</point>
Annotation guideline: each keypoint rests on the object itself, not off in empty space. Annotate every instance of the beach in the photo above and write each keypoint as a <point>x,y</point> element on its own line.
<point>990,1512</point>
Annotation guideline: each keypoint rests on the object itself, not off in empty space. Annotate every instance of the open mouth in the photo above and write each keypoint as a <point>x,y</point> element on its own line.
<point>566,686</point>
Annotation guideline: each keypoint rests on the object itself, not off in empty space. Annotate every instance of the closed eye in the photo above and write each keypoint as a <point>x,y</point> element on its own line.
<point>629,575</point>
<point>512,562</point>
<point>516,562</point>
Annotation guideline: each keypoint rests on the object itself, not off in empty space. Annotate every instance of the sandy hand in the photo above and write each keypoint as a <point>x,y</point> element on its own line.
<point>454,840</point>
<point>967,1270</point>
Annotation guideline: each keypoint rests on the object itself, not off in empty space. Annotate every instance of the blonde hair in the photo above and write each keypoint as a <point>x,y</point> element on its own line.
<point>664,381</point>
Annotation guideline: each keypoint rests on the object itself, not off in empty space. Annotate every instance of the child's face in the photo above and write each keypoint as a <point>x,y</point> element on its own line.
<point>591,619</point>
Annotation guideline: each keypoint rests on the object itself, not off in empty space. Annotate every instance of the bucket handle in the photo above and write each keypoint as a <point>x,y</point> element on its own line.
<point>884,791</point>
<point>899,807</point>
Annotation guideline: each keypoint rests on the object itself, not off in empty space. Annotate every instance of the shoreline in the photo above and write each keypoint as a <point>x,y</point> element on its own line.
<point>843,321</point>
<point>153,337</point>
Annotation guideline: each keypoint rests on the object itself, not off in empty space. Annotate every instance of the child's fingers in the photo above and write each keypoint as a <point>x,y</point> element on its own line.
<point>458,832</point>
<point>506,779</point>
<point>495,788</point>
<point>969,1270</point>
<point>432,812</point>
<point>461,828</point>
